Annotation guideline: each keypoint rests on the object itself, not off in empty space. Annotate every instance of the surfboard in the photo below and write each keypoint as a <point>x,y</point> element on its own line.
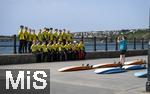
<point>108,70</point>
<point>115,71</point>
<point>142,74</point>
<point>134,67</point>
<point>106,65</point>
<point>75,68</point>
<point>135,62</point>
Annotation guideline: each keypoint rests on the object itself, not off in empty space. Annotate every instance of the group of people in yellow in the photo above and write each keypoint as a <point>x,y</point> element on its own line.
<point>50,44</point>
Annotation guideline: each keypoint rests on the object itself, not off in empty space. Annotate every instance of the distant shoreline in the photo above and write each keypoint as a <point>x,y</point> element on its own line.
<point>111,34</point>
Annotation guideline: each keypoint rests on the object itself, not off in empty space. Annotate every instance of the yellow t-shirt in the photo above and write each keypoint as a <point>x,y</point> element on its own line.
<point>40,36</point>
<point>49,47</point>
<point>73,47</point>
<point>30,38</point>
<point>55,47</point>
<point>44,48</point>
<point>60,36</point>
<point>64,35</point>
<point>60,47</point>
<point>34,48</point>
<point>81,46</point>
<point>55,35</point>
<point>77,47</point>
<point>66,47</point>
<point>21,35</point>
<point>39,47</point>
<point>69,37</point>
<point>51,36</point>
<point>69,47</point>
<point>45,35</point>
<point>34,37</point>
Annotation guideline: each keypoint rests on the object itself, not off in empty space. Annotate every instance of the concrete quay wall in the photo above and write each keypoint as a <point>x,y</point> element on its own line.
<point>30,58</point>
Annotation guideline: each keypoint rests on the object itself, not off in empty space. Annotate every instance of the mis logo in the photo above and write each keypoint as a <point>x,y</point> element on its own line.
<point>25,81</point>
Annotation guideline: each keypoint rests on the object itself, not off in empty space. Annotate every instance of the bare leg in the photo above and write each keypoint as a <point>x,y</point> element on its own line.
<point>120,59</point>
<point>123,59</point>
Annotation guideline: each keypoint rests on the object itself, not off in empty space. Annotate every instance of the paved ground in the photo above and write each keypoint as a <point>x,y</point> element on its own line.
<point>87,82</point>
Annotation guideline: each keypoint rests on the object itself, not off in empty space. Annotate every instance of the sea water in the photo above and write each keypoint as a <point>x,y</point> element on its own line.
<point>7,46</point>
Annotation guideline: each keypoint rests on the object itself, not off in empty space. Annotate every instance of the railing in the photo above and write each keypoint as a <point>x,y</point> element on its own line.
<point>105,41</point>
<point>93,43</point>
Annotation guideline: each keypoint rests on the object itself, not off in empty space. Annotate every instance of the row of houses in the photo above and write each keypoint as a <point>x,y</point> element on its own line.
<point>106,33</point>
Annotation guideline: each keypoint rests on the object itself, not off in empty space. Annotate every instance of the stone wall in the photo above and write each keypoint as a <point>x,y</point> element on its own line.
<point>30,58</point>
<point>17,59</point>
<point>114,54</point>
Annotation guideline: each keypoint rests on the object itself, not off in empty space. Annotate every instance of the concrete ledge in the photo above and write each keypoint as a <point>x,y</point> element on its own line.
<point>30,58</point>
<point>17,59</point>
<point>114,54</point>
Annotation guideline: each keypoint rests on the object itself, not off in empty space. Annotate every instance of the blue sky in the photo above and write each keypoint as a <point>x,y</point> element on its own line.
<point>75,15</point>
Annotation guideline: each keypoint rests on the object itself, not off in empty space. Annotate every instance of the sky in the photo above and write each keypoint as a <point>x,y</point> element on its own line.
<point>74,15</point>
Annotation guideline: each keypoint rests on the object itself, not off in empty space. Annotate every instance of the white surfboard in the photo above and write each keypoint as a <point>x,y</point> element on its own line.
<point>142,74</point>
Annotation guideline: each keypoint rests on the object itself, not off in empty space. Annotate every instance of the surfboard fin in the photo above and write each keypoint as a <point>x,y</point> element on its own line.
<point>114,62</point>
<point>87,65</point>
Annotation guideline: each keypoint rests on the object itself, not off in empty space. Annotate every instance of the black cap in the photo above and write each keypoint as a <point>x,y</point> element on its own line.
<point>21,26</point>
<point>26,27</point>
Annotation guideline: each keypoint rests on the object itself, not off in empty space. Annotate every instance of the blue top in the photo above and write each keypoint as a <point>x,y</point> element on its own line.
<point>123,45</point>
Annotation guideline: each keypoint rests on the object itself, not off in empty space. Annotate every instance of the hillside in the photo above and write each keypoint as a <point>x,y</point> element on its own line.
<point>138,34</point>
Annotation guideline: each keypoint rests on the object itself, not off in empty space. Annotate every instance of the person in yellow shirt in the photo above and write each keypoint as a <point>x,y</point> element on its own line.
<point>56,35</point>
<point>26,34</point>
<point>60,36</point>
<point>21,39</point>
<point>44,52</point>
<point>77,51</point>
<point>45,34</point>
<point>50,35</point>
<point>57,45</point>
<point>29,40</point>
<point>66,49</point>
<point>81,46</point>
<point>34,36</point>
<point>82,52</point>
<point>74,51</point>
<point>69,50</point>
<point>56,50</point>
<point>62,54</point>
<point>40,35</point>
<point>36,50</point>
<point>50,51</point>
<point>69,37</point>
<point>64,36</point>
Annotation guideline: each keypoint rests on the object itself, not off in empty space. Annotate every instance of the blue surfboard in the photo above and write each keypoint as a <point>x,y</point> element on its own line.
<point>115,71</point>
<point>109,70</point>
<point>141,74</point>
<point>134,67</point>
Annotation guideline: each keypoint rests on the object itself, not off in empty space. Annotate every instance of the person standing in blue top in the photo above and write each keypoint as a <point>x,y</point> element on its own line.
<point>123,48</point>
